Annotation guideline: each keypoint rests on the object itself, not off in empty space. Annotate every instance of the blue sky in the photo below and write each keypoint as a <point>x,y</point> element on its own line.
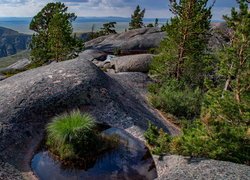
<point>122,8</point>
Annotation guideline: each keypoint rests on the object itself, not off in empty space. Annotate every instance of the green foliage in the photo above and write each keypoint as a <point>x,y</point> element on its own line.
<point>74,136</point>
<point>108,28</point>
<point>157,139</point>
<point>229,99</point>
<point>71,134</point>
<point>226,108</point>
<point>52,38</point>
<point>181,53</point>
<point>12,72</point>
<point>222,132</point>
<point>137,18</point>
<point>220,141</point>
<point>150,25</point>
<point>177,99</point>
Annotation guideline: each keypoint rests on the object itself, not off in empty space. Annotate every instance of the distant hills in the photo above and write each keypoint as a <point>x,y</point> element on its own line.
<point>82,24</point>
<point>12,42</point>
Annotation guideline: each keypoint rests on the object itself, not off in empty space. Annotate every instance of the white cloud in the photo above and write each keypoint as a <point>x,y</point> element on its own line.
<point>122,8</point>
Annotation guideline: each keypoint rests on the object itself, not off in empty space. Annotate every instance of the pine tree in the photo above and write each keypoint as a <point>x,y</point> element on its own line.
<point>137,18</point>
<point>230,99</point>
<point>183,50</point>
<point>53,30</point>
<point>108,28</point>
<point>156,22</point>
<point>59,41</point>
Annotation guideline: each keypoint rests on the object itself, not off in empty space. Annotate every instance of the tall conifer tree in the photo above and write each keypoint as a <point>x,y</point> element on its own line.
<point>137,18</point>
<point>183,49</point>
<point>230,99</point>
<point>52,38</point>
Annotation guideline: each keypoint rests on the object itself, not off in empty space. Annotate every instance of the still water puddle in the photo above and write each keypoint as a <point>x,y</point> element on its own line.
<point>131,160</point>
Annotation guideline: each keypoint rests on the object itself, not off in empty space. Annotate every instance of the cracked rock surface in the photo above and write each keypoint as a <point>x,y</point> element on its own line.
<point>30,99</point>
<point>184,168</point>
<point>130,42</point>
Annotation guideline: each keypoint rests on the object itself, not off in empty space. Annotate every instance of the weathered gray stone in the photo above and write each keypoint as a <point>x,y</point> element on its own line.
<point>8,172</point>
<point>220,35</point>
<point>184,168</point>
<point>30,99</point>
<point>20,64</point>
<point>107,65</point>
<point>132,63</point>
<point>136,80</point>
<point>92,54</point>
<point>130,42</point>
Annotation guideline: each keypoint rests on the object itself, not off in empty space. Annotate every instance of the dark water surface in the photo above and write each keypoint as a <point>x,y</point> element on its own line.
<point>131,160</point>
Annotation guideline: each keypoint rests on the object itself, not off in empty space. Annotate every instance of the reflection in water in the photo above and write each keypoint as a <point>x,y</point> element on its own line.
<point>131,160</point>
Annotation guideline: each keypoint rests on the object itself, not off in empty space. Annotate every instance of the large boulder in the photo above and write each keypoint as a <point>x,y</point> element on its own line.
<point>30,99</point>
<point>130,42</point>
<point>132,63</point>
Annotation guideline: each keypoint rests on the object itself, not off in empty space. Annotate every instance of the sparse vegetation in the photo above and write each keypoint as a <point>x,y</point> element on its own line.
<point>176,98</point>
<point>9,60</point>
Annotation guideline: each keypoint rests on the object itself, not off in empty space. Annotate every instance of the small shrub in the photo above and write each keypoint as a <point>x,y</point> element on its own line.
<point>157,139</point>
<point>219,140</point>
<point>176,99</point>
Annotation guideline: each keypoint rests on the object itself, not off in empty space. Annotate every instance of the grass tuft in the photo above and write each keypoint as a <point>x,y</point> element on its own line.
<point>75,140</point>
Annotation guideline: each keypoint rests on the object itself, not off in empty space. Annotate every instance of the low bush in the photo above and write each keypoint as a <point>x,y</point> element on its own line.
<point>176,99</point>
<point>157,139</point>
<point>218,140</point>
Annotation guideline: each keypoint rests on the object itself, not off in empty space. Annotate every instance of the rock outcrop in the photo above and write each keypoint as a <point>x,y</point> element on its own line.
<point>20,64</point>
<point>31,98</point>
<point>12,42</point>
<point>132,63</point>
<point>186,168</point>
<point>92,54</point>
<point>130,42</point>
<point>220,35</point>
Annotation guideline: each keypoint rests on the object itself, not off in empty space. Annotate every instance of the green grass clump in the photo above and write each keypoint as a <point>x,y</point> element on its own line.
<point>74,136</point>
